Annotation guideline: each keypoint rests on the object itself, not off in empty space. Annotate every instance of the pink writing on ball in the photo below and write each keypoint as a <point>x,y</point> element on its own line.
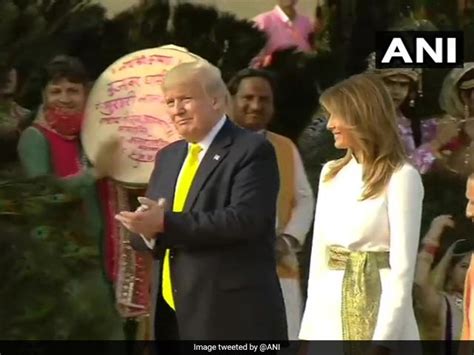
<point>109,107</point>
<point>126,84</point>
<point>146,60</point>
<point>156,79</point>
<point>133,129</point>
<point>141,157</point>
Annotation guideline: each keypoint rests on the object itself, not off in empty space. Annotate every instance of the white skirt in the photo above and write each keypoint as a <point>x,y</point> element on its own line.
<point>322,314</point>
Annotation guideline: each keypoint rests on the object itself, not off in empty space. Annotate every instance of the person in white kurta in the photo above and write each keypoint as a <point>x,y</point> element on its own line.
<point>388,222</point>
<point>297,227</point>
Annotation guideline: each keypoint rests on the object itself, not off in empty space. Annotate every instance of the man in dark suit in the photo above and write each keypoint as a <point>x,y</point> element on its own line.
<point>209,217</point>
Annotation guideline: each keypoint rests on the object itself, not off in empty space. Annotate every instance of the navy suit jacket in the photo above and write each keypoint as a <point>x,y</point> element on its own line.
<point>222,258</point>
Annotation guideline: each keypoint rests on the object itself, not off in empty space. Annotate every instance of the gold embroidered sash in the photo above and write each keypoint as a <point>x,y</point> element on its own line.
<point>361,290</point>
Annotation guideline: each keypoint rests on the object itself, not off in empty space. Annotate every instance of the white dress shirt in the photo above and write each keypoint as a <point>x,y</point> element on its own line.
<point>205,143</point>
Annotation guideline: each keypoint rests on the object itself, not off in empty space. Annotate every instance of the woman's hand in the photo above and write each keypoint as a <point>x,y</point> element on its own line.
<point>437,227</point>
<point>445,133</point>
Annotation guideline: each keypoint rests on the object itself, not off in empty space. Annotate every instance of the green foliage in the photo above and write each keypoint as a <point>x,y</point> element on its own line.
<point>33,31</point>
<point>52,284</point>
<point>220,38</point>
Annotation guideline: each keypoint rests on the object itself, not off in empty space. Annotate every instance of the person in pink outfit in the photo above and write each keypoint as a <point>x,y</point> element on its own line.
<point>285,28</point>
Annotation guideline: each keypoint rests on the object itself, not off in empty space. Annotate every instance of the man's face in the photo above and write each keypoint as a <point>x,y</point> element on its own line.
<point>191,109</point>
<point>253,103</point>
<point>398,86</point>
<point>470,199</point>
<point>11,83</point>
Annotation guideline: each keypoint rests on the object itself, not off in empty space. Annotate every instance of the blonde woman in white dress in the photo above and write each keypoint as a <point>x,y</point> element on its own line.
<point>366,228</point>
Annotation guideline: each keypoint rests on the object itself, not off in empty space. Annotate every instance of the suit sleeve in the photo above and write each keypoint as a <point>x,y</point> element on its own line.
<point>249,215</point>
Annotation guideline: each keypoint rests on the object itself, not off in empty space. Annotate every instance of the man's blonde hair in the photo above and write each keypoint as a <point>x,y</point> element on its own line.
<point>208,75</point>
<point>365,104</point>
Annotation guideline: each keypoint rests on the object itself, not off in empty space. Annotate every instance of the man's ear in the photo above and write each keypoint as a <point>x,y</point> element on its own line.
<point>215,102</point>
<point>222,101</point>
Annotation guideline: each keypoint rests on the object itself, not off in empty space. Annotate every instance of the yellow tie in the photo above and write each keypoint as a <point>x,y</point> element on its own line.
<point>181,192</point>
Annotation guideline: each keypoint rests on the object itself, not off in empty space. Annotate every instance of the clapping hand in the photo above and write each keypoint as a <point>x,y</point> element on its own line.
<point>147,220</point>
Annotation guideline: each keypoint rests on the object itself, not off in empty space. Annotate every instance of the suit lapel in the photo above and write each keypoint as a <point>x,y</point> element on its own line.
<point>172,167</point>
<point>214,156</point>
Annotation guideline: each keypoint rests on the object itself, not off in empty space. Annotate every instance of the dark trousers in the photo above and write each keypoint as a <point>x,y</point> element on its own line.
<point>166,324</point>
<point>166,328</point>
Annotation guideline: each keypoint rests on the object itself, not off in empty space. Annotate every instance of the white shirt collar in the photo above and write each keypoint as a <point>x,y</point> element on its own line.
<point>206,142</point>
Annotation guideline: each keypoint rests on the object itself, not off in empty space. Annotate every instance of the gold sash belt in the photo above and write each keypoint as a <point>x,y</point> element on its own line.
<point>361,289</point>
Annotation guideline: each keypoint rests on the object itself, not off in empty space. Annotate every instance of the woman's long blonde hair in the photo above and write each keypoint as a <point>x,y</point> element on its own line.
<point>365,104</point>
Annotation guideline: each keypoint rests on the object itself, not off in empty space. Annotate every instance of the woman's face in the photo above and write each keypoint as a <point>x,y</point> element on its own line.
<point>66,95</point>
<point>398,87</point>
<point>343,136</point>
<point>458,274</point>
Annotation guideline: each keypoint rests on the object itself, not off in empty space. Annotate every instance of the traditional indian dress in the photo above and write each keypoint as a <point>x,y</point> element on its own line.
<point>295,206</point>
<point>44,151</point>
<point>420,156</point>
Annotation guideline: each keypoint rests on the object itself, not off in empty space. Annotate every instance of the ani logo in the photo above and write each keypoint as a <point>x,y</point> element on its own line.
<point>419,49</point>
